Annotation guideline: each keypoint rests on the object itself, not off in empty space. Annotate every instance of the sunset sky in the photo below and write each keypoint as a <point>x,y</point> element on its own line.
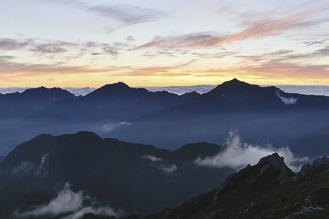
<point>79,43</point>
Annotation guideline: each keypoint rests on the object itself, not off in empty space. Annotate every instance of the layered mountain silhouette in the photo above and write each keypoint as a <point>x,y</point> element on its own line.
<point>261,115</point>
<point>135,177</point>
<point>266,190</point>
<point>142,179</point>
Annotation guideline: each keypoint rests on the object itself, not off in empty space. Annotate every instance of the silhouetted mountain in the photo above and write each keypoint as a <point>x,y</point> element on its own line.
<point>116,102</point>
<point>261,114</point>
<point>116,90</point>
<point>237,95</point>
<point>56,93</point>
<point>30,101</point>
<point>129,176</point>
<point>267,190</point>
<point>165,119</point>
<point>191,95</point>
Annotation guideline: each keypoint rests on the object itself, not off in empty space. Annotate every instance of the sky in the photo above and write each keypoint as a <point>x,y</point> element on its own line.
<point>89,43</point>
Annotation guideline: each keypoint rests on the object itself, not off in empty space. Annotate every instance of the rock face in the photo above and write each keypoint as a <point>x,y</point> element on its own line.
<point>267,190</point>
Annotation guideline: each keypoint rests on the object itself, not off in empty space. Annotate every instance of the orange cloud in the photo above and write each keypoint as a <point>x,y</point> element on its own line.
<point>255,29</point>
<point>275,69</point>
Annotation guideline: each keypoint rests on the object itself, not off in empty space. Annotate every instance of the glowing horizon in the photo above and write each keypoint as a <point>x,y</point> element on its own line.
<point>81,43</point>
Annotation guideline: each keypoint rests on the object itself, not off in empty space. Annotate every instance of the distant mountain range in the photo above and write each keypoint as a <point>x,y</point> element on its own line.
<point>300,89</point>
<point>260,114</point>
<point>134,177</point>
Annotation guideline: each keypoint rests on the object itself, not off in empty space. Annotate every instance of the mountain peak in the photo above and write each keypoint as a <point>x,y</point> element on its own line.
<point>235,80</point>
<point>118,85</point>
<point>115,88</point>
<point>46,91</point>
<point>273,160</point>
<point>235,83</point>
<point>274,166</point>
<point>270,170</point>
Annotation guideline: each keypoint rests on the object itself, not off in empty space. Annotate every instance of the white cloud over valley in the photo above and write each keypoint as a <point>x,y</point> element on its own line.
<point>237,155</point>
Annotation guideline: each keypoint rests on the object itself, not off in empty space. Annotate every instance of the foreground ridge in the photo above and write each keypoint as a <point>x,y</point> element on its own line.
<point>267,190</point>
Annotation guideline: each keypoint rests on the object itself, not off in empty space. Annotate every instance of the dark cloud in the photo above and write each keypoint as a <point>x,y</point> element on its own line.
<point>267,56</point>
<point>10,67</point>
<point>130,38</point>
<point>287,55</point>
<point>35,45</point>
<point>12,44</point>
<point>316,42</point>
<point>6,58</point>
<point>322,52</point>
<point>113,49</point>
<point>216,55</point>
<point>127,15</point>
<point>182,41</point>
<point>52,47</point>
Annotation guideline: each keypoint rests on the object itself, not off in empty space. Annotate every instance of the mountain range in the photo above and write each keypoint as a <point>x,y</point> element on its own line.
<point>80,175</point>
<point>261,115</point>
<point>137,178</point>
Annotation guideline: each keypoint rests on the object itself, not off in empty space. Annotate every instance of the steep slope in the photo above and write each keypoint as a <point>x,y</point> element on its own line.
<point>125,174</point>
<point>266,190</point>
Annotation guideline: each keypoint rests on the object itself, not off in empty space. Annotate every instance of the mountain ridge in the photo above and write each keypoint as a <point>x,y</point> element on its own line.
<point>105,168</point>
<point>117,110</point>
<point>255,193</point>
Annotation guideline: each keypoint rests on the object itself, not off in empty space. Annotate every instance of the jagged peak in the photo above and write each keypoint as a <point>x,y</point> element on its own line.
<point>274,160</point>
<point>271,168</point>
<point>274,163</point>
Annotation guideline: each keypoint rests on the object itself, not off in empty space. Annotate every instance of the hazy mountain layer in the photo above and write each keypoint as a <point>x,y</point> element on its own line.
<point>261,115</point>
<point>136,178</point>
